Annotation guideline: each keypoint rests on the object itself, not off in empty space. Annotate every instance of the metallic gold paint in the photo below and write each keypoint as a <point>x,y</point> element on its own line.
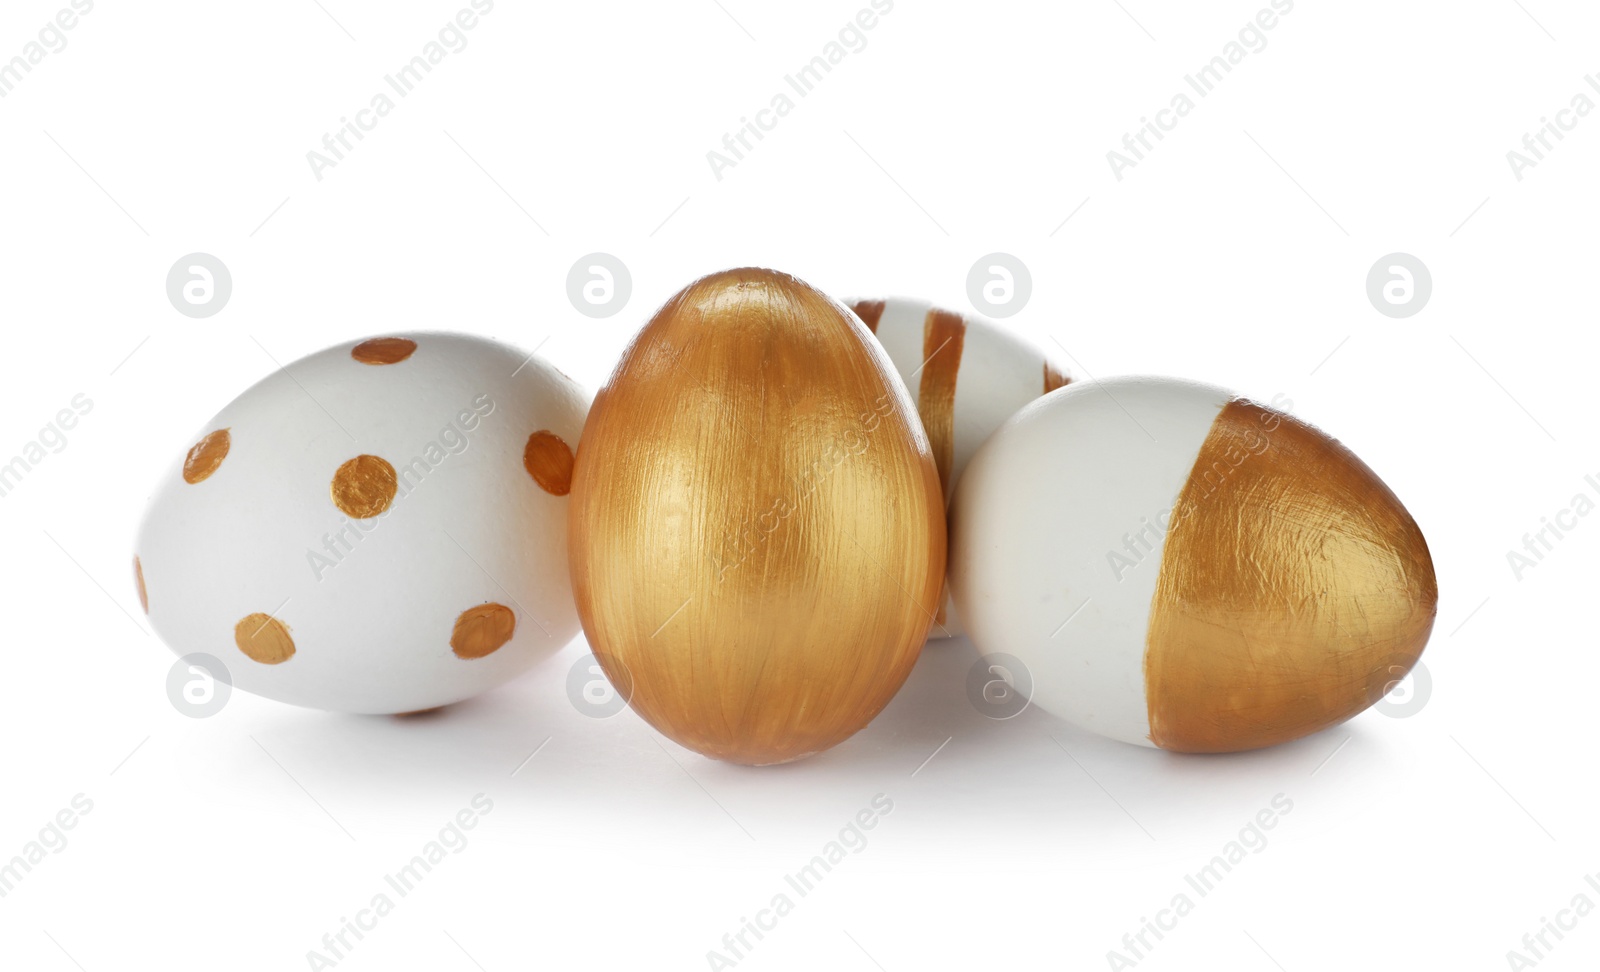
<point>870,312</point>
<point>1291,578</point>
<point>383,351</point>
<point>1054,378</point>
<point>548,459</point>
<point>481,630</point>
<point>756,533</point>
<point>943,335</point>
<point>263,638</point>
<point>206,456</point>
<point>364,486</point>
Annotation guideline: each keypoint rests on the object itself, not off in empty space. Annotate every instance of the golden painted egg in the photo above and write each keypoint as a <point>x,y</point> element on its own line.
<point>756,531</point>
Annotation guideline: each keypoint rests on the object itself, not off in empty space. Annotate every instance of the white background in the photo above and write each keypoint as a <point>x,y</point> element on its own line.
<point>1236,253</point>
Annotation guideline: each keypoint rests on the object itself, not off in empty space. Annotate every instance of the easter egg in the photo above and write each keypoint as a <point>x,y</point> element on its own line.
<point>967,376</point>
<point>757,535</point>
<point>379,527</point>
<point>1179,567</point>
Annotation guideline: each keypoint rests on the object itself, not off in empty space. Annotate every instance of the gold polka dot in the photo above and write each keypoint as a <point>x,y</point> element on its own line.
<point>138,581</point>
<point>363,487</point>
<point>264,638</point>
<point>482,630</point>
<point>383,351</point>
<point>548,460</point>
<point>206,456</point>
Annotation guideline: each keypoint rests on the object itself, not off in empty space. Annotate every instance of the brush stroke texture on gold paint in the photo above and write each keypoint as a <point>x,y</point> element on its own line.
<point>481,630</point>
<point>263,638</point>
<point>870,312</point>
<point>364,486</point>
<point>1291,580</point>
<point>383,351</point>
<point>943,336</point>
<point>548,459</point>
<point>757,532</point>
<point>206,456</point>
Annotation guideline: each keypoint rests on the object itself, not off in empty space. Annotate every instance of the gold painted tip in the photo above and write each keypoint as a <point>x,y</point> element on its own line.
<point>751,297</point>
<point>739,277</point>
<point>1290,575</point>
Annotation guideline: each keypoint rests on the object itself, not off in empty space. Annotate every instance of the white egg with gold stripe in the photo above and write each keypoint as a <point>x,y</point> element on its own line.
<point>966,374</point>
<point>1180,567</point>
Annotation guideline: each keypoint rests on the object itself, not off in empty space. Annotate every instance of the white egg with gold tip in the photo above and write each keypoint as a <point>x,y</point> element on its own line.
<point>1180,567</point>
<point>966,375</point>
<point>379,527</point>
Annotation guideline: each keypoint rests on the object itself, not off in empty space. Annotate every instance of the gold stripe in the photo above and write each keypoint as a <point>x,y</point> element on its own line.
<point>942,337</point>
<point>870,312</point>
<point>1054,378</point>
<point>943,334</point>
<point>1293,585</point>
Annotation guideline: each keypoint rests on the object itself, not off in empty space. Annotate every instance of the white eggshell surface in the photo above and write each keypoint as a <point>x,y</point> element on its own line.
<point>1034,524</point>
<point>374,604</point>
<point>967,375</point>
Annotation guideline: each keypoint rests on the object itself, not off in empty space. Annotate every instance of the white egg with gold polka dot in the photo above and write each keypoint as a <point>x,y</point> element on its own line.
<point>967,375</point>
<point>379,527</point>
